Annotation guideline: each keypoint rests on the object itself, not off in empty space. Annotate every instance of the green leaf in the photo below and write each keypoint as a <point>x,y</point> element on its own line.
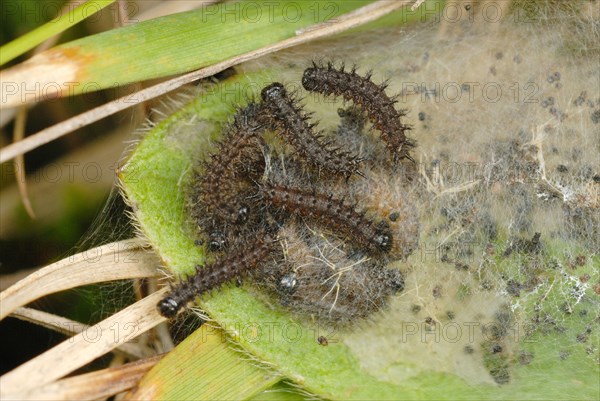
<point>359,363</point>
<point>548,342</point>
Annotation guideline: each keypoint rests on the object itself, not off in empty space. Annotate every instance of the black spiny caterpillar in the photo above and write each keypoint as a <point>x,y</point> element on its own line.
<point>336,214</point>
<point>292,123</point>
<point>213,275</point>
<point>371,97</point>
<point>226,178</point>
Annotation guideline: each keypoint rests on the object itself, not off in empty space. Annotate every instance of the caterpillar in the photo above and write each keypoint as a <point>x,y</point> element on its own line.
<point>288,119</point>
<point>227,177</point>
<point>334,213</point>
<point>213,275</point>
<point>369,96</point>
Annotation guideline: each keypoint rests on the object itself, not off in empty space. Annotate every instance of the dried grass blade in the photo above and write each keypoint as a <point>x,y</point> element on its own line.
<point>115,261</point>
<point>81,349</point>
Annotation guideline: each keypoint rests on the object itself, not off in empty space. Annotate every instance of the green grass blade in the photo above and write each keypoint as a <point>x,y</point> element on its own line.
<point>174,44</point>
<point>204,367</point>
<point>59,24</point>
